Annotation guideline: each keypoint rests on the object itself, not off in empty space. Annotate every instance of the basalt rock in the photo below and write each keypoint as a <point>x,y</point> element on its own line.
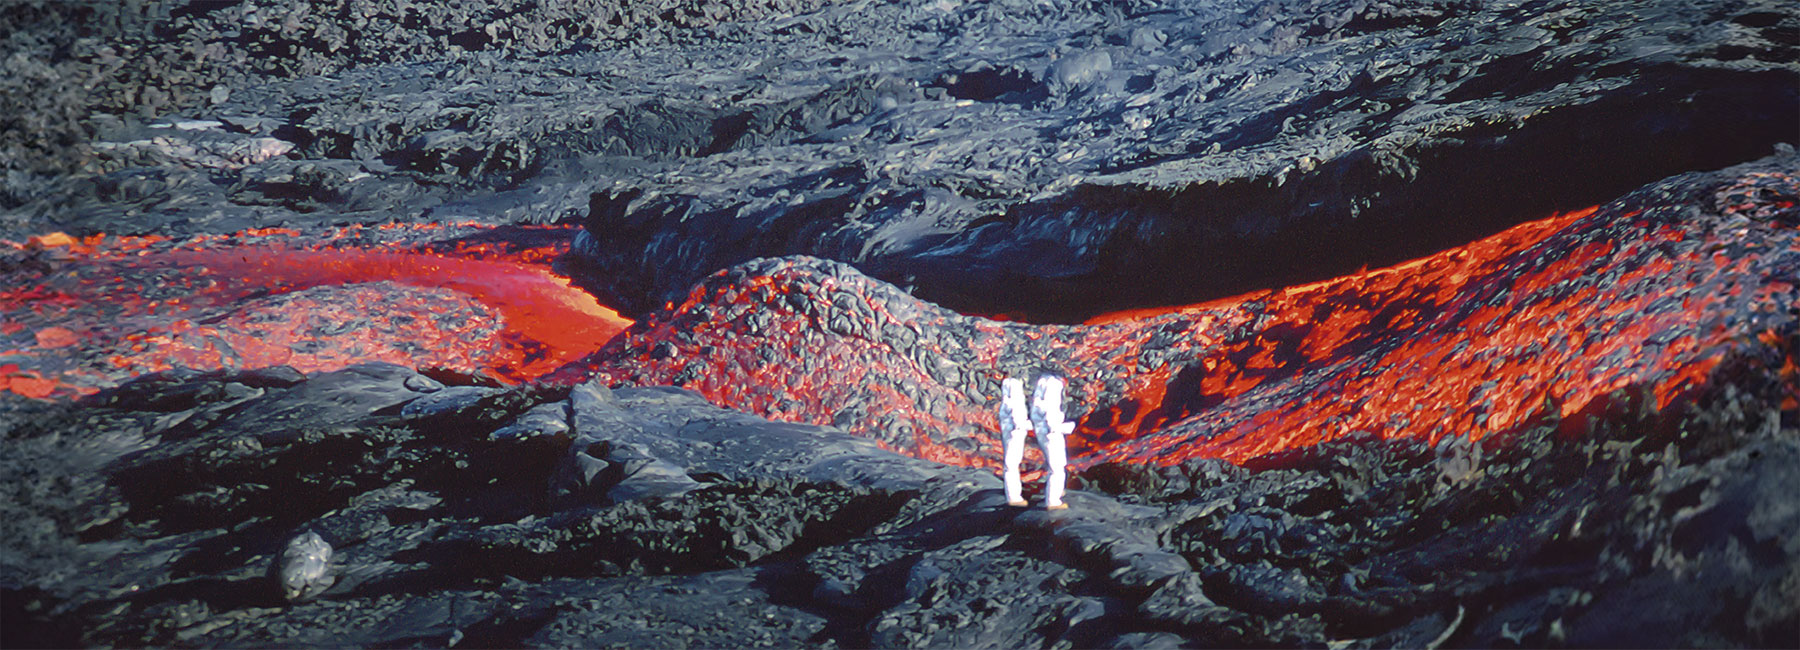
<point>1074,156</point>
<point>1169,153</point>
<point>133,519</point>
<point>82,74</point>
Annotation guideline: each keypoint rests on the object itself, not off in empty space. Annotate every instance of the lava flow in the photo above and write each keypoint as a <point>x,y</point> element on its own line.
<point>86,314</point>
<point>1653,292</point>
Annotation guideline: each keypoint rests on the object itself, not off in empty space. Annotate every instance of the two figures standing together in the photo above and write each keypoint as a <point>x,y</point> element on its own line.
<point>1046,419</point>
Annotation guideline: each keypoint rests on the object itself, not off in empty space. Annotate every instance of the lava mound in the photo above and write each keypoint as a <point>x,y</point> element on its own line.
<point>1666,292</point>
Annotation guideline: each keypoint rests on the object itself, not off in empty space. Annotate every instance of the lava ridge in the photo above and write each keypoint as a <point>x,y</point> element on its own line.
<point>1653,292</point>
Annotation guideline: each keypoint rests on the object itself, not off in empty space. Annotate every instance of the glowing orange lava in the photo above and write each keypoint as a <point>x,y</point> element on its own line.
<point>98,310</point>
<point>1651,293</point>
<point>1471,341</point>
<point>1656,293</point>
<point>548,322</point>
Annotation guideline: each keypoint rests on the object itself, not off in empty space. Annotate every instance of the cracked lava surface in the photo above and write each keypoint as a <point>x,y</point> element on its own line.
<point>86,314</point>
<point>1537,321</point>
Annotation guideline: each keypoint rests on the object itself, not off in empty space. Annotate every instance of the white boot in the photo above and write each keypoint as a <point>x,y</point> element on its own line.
<point>1047,421</point>
<point>1013,428</point>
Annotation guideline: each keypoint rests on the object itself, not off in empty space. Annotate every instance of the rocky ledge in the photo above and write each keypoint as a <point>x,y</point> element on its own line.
<point>158,514</point>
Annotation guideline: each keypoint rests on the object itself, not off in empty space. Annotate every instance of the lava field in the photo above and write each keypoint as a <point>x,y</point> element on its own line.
<point>682,323</point>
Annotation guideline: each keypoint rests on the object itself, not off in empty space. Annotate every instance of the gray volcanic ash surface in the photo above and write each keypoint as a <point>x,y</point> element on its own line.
<point>811,206</point>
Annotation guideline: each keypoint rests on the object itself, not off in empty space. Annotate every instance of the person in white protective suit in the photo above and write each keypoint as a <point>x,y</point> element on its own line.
<point>1047,421</point>
<point>1014,424</point>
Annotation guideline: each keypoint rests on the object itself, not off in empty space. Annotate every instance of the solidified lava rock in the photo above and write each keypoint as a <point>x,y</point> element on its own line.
<point>156,513</point>
<point>82,72</point>
<point>1655,291</point>
<point>1167,153</point>
<point>1075,155</point>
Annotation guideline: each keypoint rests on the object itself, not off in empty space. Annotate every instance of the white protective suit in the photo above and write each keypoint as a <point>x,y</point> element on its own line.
<point>1014,424</point>
<point>1047,421</point>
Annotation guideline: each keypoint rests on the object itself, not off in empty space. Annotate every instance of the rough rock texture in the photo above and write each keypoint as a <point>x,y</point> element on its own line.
<point>1583,431</point>
<point>81,72</point>
<point>1066,156</point>
<point>1063,151</point>
<point>157,514</point>
<point>1684,283</point>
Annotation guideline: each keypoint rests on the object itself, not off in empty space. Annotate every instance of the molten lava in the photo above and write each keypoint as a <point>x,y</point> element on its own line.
<point>1651,292</point>
<point>88,313</point>
<point>1654,292</point>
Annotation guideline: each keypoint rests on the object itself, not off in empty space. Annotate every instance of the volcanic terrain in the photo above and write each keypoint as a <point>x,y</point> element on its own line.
<point>681,323</point>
